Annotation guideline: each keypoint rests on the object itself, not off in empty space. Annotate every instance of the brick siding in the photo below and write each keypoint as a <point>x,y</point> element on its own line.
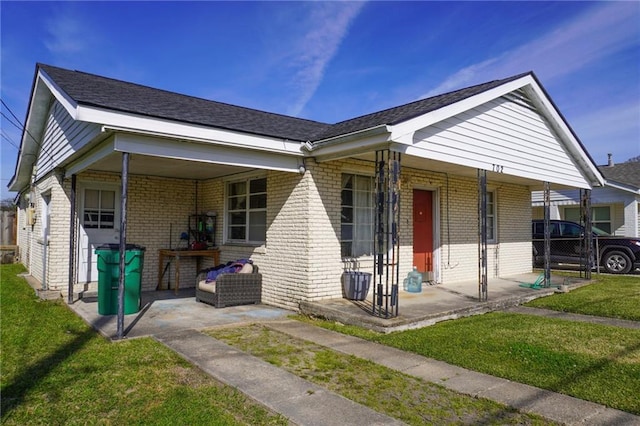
<point>301,258</point>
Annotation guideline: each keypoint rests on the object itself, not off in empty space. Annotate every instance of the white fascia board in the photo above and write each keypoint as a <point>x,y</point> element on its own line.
<point>122,121</point>
<point>353,143</point>
<point>134,122</point>
<point>36,117</point>
<point>577,151</point>
<point>67,102</point>
<point>205,153</point>
<point>403,132</point>
<point>622,187</point>
<point>84,162</point>
<point>351,148</point>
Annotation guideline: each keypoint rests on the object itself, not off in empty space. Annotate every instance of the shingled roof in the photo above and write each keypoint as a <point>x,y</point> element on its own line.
<point>625,173</point>
<point>408,111</point>
<point>92,90</point>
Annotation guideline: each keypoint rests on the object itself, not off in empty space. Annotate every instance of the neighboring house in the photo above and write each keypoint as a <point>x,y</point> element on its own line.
<point>614,207</point>
<point>296,196</point>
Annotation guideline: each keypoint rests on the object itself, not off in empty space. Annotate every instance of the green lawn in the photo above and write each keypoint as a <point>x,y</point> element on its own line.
<point>58,371</point>
<point>611,296</point>
<point>409,399</point>
<point>592,362</point>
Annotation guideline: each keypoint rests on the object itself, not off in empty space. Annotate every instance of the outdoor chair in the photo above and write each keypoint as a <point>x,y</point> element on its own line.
<point>242,287</point>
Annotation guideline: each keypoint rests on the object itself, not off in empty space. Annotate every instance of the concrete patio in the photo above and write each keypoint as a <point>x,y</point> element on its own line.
<point>164,311</point>
<point>439,302</point>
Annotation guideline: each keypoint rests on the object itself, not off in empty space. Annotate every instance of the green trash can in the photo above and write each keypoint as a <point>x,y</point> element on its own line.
<point>109,276</point>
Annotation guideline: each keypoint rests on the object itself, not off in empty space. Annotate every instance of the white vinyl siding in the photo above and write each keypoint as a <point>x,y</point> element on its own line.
<point>506,135</point>
<point>63,136</point>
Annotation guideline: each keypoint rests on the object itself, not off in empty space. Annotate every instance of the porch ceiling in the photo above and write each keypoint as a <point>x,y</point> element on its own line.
<point>147,165</point>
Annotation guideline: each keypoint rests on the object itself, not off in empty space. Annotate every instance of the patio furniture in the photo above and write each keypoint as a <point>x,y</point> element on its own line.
<point>230,289</point>
<point>176,255</point>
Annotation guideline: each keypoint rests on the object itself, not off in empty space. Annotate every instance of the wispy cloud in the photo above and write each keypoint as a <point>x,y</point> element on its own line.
<point>67,35</point>
<point>330,24</point>
<point>616,126</point>
<point>597,33</point>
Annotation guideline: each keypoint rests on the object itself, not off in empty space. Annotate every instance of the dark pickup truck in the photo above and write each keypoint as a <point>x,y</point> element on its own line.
<point>618,255</point>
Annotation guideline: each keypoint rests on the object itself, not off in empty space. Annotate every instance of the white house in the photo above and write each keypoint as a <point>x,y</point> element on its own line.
<point>406,186</point>
<point>614,207</point>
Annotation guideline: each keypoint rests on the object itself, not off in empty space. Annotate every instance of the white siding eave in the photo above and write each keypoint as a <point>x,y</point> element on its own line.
<point>167,128</point>
<point>404,131</point>
<point>555,119</point>
<point>34,126</point>
<point>134,122</point>
<point>622,187</point>
<point>63,137</point>
<point>501,136</point>
<point>207,153</point>
<point>526,118</point>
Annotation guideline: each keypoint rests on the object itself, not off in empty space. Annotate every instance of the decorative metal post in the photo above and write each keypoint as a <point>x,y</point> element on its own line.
<point>386,244</point>
<point>587,258</point>
<point>482,236</point>
<point>547,234</point>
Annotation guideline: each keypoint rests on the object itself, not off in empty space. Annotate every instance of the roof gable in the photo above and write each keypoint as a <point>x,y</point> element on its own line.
<point>399,114</point>
<point>92,90</point>
<point>93,98</point>
<point>102,92</point>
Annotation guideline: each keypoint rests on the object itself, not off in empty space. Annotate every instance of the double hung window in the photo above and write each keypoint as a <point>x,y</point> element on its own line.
<point>247,211</point>
<point>600,216</point>
<point>357,220</point>
<point>491,217</point>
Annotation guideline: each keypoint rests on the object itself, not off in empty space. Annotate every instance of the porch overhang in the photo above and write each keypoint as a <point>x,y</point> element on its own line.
<point>513,156</point>
<point>163,156</point>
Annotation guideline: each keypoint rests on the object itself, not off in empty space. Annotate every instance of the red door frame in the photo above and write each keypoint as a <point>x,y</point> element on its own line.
<point>423,238</point>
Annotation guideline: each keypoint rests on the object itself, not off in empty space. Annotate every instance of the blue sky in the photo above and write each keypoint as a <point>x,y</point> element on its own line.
<point>331,61</point>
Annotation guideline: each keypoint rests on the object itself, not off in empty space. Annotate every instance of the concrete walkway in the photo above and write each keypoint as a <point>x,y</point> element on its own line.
<point>299,400</point>
<point>574,317</point>
<point>305,403</point>
<point>175,320</point>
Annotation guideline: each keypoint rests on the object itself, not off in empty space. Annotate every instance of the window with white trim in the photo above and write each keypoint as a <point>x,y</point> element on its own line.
<point>247,211</point>
<point>492,217</point>
<point>600,216</point>
<point>357,215</point>
<point>99,209</point>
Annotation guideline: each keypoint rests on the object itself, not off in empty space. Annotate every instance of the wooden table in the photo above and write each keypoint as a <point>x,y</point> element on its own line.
<point>176,255</point>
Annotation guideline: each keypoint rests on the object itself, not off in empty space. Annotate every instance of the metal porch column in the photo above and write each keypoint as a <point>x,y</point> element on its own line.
<point>123,243</point>
<point>587,257</point>
<point>72,239</point>
<point>547,234</point>
<point>386,245</point>
<point>482,236</point>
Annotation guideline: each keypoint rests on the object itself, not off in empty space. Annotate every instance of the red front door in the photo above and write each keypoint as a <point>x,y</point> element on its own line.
<point>423,230</point>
